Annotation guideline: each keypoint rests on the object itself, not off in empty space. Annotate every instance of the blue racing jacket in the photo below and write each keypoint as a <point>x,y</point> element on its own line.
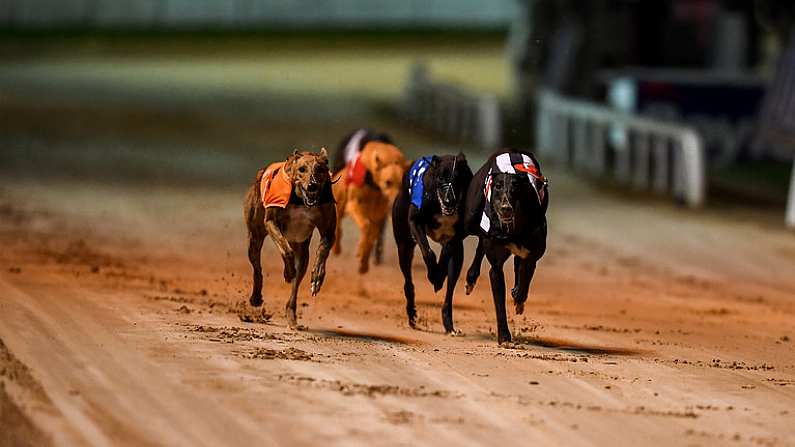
<point>416,180</point>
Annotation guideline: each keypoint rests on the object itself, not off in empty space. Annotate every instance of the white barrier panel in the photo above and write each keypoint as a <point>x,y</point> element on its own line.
<point>638,152</point>
<point>452,111</point>
<point>790,219</point>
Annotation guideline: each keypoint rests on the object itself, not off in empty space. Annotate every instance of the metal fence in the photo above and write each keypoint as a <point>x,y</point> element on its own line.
<point>452,111</point>
<point>640,152</point>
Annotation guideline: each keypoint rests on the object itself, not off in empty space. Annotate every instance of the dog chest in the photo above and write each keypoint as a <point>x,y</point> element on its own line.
<point>445,228</point>
<point>299,222</point>
<point>518,250</point>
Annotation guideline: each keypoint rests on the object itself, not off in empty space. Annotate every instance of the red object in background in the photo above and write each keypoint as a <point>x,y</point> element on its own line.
<point>356,171</point>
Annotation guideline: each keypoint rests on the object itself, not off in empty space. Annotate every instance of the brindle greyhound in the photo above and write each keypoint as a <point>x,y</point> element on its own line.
<point>304,203</point>
<point>431,203</point>
<point>506,208</point>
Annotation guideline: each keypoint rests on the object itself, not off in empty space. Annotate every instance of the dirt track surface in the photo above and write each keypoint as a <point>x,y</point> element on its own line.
<point>644,325</point>
<point>123,262</point>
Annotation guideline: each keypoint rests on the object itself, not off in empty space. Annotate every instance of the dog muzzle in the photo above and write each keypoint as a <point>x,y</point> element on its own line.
<point>446,194</point>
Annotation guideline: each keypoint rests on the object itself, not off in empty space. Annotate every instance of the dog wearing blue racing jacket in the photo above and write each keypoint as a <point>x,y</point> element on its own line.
<point>431,205</point>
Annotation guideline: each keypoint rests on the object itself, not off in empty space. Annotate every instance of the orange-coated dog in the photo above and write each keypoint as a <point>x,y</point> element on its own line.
<point>365,189</point>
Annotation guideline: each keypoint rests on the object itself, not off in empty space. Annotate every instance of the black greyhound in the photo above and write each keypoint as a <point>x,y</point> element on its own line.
<point>431,203</point>
<point>506,208</point>
<point>349,147</point>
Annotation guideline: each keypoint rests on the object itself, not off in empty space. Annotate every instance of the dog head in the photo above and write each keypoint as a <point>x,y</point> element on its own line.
<point>515,203</point>
<point>450,177</point>
<point>309,173</point>
<point>387,165</point>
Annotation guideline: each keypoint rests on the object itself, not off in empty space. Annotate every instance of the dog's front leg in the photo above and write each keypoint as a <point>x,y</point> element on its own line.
<point>327,233</point>
<point>524,270</point>
<point>418,233</point>
<point>288,256</point>
<point>497,255</point>
<point>474,270</point>
<point>453,261</point>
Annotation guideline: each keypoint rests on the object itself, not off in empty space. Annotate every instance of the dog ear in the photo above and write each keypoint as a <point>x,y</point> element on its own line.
<point>290,162</point>
<point>461,158</point>
<point>435,160</point>
<point>323,156</point>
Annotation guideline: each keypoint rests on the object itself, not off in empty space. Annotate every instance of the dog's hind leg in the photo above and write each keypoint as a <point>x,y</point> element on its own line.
<point>337,248</point>
<point>341,197</point>
<point>497,256</point>
<point>454,256</point>
<point>523,271</point>
<point>378,256</point>
<point>474,270</point>
<point>301,250</point>
<point>255,241</point>
<point>369,233</point>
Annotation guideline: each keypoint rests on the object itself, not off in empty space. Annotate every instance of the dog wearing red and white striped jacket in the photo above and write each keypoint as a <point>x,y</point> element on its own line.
<point>506,207</point>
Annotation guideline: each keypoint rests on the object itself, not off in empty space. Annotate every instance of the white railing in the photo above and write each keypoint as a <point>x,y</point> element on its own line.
<point>640,152</point>
<point>790,218</point>
<point>451,110</point>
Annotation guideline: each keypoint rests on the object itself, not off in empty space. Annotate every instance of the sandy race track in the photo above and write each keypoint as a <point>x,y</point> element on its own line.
<point>644,325</point>
<point>123,264</point>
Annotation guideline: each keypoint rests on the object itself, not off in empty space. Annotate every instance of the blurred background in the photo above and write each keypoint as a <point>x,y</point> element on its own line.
<point>689,100</point>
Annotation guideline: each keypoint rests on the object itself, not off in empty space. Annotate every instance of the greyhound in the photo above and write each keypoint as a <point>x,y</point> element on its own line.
<point>431,203</point>
<point>506,209</point>
<point>287,201</point>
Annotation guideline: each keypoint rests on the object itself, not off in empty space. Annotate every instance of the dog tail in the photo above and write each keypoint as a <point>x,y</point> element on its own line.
<point>253,209</point>
<point>258,181</point>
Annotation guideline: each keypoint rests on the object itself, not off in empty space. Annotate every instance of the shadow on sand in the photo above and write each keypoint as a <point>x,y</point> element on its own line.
<point>363,336</point>
<point>560,344</point>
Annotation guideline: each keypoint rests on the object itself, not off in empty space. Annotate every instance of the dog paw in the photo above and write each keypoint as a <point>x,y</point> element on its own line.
<point>519,308</point>
<point>454,333</point>
<point>292,322</point>
<point>505,341</point>
<point>249,314</point>
<point>316,283</point>
<point>436,277</point>
<point>255,300</point>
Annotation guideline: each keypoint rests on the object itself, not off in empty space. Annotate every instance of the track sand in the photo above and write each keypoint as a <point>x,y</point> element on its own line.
<point>645,325</point>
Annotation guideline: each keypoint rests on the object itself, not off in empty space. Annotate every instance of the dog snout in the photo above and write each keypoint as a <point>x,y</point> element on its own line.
<point>312,187</point>
<point>505,208</point>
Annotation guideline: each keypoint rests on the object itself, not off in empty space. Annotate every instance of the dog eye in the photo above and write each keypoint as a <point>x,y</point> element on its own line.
<point>302,169</point>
